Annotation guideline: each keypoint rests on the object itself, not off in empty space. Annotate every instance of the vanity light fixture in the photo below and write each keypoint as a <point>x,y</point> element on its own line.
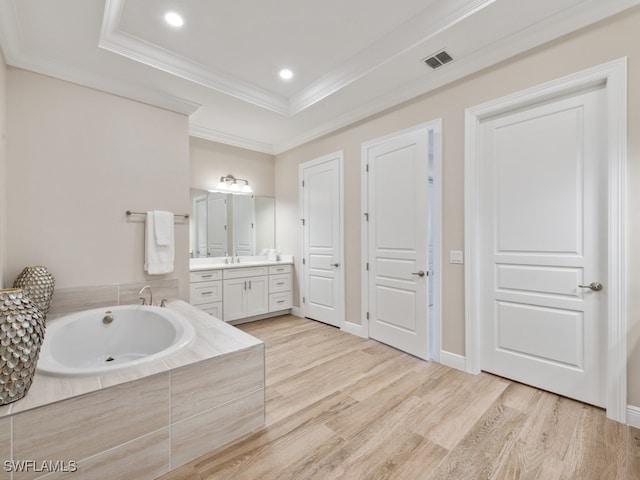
<point>174,19</point>
<point>229,184</point>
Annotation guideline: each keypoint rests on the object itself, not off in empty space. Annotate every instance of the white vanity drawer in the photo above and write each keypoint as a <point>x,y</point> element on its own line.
<point>205,292</point>
<point>244,272</point>
<point>205,276</point>
<point>275,269</point>
<point>279,283</point>
<point>280,301</point>
<point>213,309</point>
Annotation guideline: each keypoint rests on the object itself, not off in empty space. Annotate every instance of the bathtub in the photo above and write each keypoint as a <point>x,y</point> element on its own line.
<point>109,339</point>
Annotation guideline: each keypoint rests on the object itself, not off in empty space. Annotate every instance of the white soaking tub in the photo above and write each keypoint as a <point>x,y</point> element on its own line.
<point>104,340</point>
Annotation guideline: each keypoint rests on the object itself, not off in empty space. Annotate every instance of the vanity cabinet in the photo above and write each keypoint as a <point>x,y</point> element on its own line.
<point>235,293</point>
<point>205,291</point>
<point>246,292</point>
<point>280,287</point>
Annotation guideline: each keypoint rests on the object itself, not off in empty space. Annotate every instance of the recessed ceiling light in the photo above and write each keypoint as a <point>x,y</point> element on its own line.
<point>286,74</point>
<point>174,19</point>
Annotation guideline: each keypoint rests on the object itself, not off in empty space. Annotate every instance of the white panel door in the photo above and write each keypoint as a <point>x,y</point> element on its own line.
<point>200,227</point>
<point>321,241</point>
<point>398,204</point>
<point>543,237</point>
<point>217,224</point>
<point>244,218</point>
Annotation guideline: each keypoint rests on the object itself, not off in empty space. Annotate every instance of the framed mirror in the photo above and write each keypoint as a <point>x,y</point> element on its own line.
<point>223,224</point>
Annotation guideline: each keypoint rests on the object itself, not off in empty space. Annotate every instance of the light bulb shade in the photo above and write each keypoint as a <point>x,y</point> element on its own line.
<point>247,189</point>
<point>234,187</point>
<point>221,186</point>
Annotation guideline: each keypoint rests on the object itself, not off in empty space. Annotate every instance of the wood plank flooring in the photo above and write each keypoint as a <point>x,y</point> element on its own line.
<point>342,407</point>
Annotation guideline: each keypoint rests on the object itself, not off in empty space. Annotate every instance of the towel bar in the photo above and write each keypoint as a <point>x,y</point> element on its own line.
<point>129,212</point>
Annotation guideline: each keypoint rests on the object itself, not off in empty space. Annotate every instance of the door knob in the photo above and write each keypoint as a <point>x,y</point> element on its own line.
<point>595,286</point>
<point>336,265</point>
<point>420,273</point>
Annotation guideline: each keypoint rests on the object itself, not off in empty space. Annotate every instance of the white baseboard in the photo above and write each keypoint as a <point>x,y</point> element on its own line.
<point>297,311</point>
<point>633,416</point>
<point>453,360</point>
<point>354,329</point>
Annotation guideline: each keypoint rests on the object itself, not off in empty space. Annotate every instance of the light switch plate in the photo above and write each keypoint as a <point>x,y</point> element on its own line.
<point>455,256</point>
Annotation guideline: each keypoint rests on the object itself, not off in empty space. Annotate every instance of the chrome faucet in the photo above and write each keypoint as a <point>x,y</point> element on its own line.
<point>146,287</point>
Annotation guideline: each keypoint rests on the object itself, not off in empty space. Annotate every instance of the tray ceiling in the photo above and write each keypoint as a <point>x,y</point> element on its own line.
<point>350,59</point>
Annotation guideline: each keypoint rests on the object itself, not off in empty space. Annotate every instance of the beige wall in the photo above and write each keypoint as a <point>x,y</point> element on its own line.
<point>3,161</point>
<point>77,159</point>
<point>212,160</point>
<point>608,40</point>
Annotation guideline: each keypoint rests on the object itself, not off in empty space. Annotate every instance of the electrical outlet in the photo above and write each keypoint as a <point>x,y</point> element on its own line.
<point>455,256</point>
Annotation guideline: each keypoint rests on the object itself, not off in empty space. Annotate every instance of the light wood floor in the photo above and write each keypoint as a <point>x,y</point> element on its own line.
<point>341,407</point>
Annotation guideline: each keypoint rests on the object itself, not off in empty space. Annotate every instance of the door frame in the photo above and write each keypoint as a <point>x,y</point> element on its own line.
<point>613,77</point>
<point>434,322</point>
<point>340,272</point>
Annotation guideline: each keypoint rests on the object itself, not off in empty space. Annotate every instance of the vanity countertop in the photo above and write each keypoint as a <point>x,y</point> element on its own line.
<point>198,264</point>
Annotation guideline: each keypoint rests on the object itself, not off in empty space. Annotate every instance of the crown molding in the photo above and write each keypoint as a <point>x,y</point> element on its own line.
<point>434,20</point>
<point>410,34</point>
<point>116,41</point>
<point>16,56</point>
<point>573,18</point>
<point>229,139</point>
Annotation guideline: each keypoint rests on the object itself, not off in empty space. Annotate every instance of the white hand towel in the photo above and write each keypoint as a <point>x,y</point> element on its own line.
<point>158,259</point>
<point>163,227</point>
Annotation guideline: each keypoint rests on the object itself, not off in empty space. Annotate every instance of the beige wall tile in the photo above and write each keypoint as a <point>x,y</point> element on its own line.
<point>144,457</point>
<point>5,446</point>
<point>202,433</point>
<point>167,288</point>
<point>75,429</point>
<point>211,383</point>
<point>45,390</point>
<point>73,299</point>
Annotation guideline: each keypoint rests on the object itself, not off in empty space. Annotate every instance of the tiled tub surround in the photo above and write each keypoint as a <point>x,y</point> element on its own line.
<point>146,421</point>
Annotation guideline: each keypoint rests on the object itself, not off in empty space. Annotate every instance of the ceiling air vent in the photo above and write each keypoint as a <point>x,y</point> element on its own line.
<point>438,59</point>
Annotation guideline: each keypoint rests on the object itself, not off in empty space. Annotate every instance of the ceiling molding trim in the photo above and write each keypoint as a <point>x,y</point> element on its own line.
<point>121,89</point>
<point>229,139</point>
<point>549,29</point>
<point>121,43</point>
<point>433,20</point>
<point>16,56</point>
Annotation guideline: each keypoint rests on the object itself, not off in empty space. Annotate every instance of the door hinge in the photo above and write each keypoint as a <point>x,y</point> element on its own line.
<point>367,315</point>
<point>302,220</point>
<point>366,217</point>
<point>304,261</point>
<point>367,266</point>
<point>252,225</point>
<point>303,183</point>
<point>304,299</point>
<point>367,168</point>
<point>225,227</point>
